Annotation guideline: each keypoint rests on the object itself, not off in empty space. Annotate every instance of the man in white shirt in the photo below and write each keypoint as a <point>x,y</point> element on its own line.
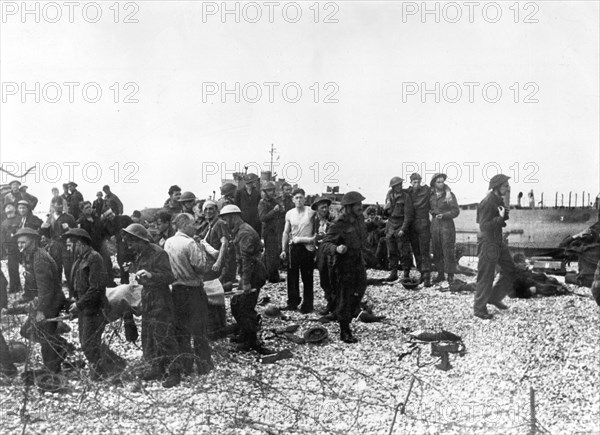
<point>298,242</point>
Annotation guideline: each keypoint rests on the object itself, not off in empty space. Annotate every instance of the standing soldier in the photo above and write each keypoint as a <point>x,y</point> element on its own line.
<point>399,207</point>
<point>322,222</point>
<point>112,201</point>
<point>227,195</point>
<point>345,241</point>
<point>444,209</point>
<point>43,282</point>
<point>172,204</point>
<point>247,199</point>
<point>252,278</point>
<point>153,271</point>
<point>61,223</point>
<point>89,282</point>
<point>75,199</point>
<point>420,231</point>
<point>188,263</point>
<point>8,229</point>
<point>271,215</point>
<point>492,250</point>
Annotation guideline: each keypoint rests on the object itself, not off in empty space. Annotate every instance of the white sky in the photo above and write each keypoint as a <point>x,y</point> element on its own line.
<point>370,135</point>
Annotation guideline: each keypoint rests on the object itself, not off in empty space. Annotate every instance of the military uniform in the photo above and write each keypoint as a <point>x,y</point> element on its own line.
<point>248,204</point>
<point>443,231</point>
<point>323,261</point>
<point>350,274</point>
<point>492,252</point>
<point>89,281</point>
<point>271,224</point>
<point>58,248</point>
<point>401,216</point>
<point>420,230</point>
<point>41,280</point>
<point>75,198</point>
<point>248,254</point>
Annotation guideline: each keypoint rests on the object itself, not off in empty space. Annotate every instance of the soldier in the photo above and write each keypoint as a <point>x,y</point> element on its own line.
<point>14,196</point>
<point>247,199</point>
<point>112,201</point>
<point>401,213</point>
<point>252,278</point>
<point>89,283</point>
<point>165,229</point>
<point>271,215</point>
<point>322,221</point>
<point>172,204</point>
<point>188,263</point>
<point>113,226</point>
<point>227,195</point>
<point>8,229</point>
<point>492,250</point>
<point>298,242</point>
<point>420,232</point>
<point>42,282</point>
<point>187,200</point>
<point>214,230</point>
<point>26,218</point>
<point>153,271</point>
<point>75,199</point>
<point>444,209</point>
<point>288,203</point>
<point>98,204</point>
<point>345,241</point>
<point>61,223</point>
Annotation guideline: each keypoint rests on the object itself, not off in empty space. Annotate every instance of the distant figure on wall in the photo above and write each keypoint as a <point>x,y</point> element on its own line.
<point>531,197</point>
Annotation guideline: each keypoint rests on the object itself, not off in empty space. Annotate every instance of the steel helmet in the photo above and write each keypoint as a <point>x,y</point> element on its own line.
<point>395,181</point>
<point>497,180</point>
<point>228,189</point>
<point>186,196</point>
<point>230,209</point>
<point>435,177</point>
<point>139,231</point>
<point>352,198</point>
<point>272,311</point>
<point>78,232</point>
<point>316,334</point>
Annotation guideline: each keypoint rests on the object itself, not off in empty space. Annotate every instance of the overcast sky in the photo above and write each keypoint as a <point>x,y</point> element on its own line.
<point>375,61</point>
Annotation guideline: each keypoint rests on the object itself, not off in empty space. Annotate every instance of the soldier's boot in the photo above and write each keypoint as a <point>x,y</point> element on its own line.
<point>439,278</point>
<point>427,279</point>
<point>172,380</point>
<point>450,278</point>
<point>393,275</point>
<point>346,335</point>
<point>407,273</point>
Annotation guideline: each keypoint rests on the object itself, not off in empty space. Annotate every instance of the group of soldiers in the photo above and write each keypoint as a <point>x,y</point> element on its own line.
<point>245,237</point>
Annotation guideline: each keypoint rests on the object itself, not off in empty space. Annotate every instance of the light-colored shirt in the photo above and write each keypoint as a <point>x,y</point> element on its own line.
<point>187,259</point>
<point>301,226</point>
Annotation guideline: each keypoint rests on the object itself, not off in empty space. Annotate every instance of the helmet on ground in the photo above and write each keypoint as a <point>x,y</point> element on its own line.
<point>139,231</point>
<point>352,198</point>
<point>272,311</point>
<point>409,283</point>
<point>230,209</point>
<point>316,334</point>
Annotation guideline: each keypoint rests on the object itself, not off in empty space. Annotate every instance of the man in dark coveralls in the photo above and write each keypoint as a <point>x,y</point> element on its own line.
<point>492,250</point>
<point>420,231</point>
<point>41,277</point>
<point>153,271</point>
<point>89,282</point>
<point>399,208</point>
<point>272,217</point>
<point>252,278</point>
<point>345,240</point>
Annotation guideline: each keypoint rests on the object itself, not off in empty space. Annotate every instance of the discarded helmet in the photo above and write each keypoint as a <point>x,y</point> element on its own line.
<point>230,209</point>
<point>272,311</point>
<point>51,382</point>
<point>139,231</point>
<point>316,334</point>
<point>497,180</point>
<point>409,283</point>
<point>352,198</point>
<point>17,352</point>
<point>396,180</point>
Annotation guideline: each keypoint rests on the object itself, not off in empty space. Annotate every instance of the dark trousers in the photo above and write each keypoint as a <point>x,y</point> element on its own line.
<point>52,349</point>
<point>420,240</point>
<point>348,293</point>
<point>14,280</point>
<point>443,234</point>
<point>492,255</point>
<point>91,327</point>
<point>398,247</point>
<point>108,266</point>
<point>64,261</point>
<point>190,322</point>
<point>158,342</point>
<point>271,257</point>
<point>301,263</point>
<point>244,312</point>
<point>325,278</point>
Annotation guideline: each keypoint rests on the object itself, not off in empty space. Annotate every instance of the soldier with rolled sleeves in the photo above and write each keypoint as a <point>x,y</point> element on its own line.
<point>153,270</point>
<point>272,216</point>
<point>399,208</point>
<point>89,283</point>
<point>345,241</point>
<point>247,199</point>
<point>444,209</point>
<point>252,278</point>
<point>41,279</point>
<point>420,231</point>
<point>492,250</point>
